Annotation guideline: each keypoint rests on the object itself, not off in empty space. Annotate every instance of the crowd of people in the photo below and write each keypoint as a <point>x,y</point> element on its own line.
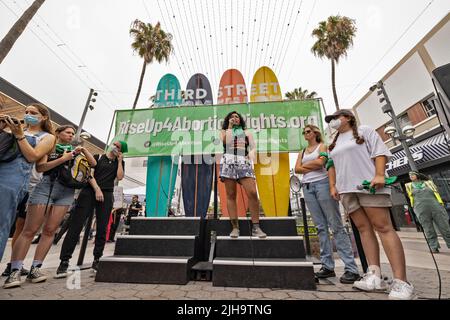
<point>36,179</point>
<point>31,184</point>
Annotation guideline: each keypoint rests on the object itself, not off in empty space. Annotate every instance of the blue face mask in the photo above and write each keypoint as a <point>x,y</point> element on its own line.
<point>31,120</point>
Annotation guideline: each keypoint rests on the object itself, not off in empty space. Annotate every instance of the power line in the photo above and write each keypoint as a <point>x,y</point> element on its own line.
<point>180,66</point>
<point>279,38</point>
<point>301,40</point>
<point>272,51</point>
<point>216,58</point>
<point>164,21</point>
<point>205,45</point>
<point>60,43</point>
<point>292,34</point>
<point>390,49</point>
<point>56,55</point>
<point>258,52</point>
<point>263,43</point>
<point>291,30</point>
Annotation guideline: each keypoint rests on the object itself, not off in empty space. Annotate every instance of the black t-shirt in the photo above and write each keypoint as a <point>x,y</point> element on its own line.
<point>106,172</point>
<point>133,212</point>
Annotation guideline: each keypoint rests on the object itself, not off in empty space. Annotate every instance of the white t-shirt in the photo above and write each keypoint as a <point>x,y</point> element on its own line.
<point>355,163</point>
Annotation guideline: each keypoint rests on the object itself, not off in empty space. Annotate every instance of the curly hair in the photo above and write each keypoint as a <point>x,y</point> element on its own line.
<point>354,126</point>
<point>226,122</point>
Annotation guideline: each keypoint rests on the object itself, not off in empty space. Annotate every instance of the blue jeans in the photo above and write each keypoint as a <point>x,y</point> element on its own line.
<point>325,213</point>
<point>14,180</point>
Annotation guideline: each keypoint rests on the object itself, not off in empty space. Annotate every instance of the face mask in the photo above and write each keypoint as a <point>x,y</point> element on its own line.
<point>335,124</point>
<point>31,120</point>
<point>115,150</point>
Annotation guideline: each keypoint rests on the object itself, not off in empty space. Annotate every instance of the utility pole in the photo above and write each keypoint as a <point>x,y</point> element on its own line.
<point>88,105</point>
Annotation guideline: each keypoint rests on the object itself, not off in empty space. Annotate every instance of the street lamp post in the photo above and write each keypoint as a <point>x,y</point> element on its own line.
<point>396,132</point>
<point>88,105</point>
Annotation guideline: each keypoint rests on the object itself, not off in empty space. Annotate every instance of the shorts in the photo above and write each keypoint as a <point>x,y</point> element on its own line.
<point>235,168</point>
<point>60,196</point>
<point>354,201</point>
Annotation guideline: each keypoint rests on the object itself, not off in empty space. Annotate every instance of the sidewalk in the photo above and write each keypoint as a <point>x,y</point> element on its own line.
<point>82,286</point>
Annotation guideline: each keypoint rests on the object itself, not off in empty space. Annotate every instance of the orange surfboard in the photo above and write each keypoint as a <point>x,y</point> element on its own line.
<point>232,90</point>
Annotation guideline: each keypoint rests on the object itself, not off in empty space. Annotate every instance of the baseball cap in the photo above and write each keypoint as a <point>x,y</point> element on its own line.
<point>337,114</point>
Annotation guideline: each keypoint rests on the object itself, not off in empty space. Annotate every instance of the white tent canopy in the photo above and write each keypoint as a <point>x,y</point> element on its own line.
<point>140,191</point>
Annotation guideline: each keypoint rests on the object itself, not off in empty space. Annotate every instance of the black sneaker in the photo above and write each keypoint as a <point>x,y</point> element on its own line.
<point>36,275</point>
<point>349,277</point>
<point>325,273</point>
<point>62,270</point>
<point>24,272</point>
<point>95,265</point>
<point>13,280</point>
<point>7,271</point>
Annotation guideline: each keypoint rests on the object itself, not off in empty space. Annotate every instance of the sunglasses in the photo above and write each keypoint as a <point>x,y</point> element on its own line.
<point>306,132</point>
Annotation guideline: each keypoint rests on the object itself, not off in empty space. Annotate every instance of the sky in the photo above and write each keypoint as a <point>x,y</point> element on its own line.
<point>72,46</point>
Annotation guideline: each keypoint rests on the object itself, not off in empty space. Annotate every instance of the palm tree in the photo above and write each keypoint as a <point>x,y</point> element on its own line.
<point>152,44</point>
<point>300,94</point>
<point>18,28</point>
<point>334,38</point>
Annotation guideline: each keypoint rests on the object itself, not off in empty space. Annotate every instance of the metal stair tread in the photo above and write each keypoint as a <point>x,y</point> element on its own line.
<point>146,259</point>
<point>283,238</point>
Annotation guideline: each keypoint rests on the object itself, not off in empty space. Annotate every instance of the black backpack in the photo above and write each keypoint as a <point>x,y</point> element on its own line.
<point>9,149</point>
<point>75,173</point>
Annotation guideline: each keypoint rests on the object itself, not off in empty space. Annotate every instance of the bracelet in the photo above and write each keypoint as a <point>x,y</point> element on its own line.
<point>20,139</point>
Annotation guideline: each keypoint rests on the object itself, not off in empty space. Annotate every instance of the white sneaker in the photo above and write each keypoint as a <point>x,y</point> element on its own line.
<point>401,290</point>
<point>257,232</point>
<point>235,233</point>
<point>370,282</point>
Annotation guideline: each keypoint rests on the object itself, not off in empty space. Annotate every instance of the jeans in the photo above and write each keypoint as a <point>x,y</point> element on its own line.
<point>325,213</point>
<point>14,180</point>
<point>86,203</point>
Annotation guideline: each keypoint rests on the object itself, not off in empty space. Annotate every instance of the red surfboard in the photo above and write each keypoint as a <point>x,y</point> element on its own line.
<point>232,90</point>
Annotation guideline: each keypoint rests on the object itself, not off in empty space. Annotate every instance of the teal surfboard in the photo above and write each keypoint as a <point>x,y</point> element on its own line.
<point>162,171</point>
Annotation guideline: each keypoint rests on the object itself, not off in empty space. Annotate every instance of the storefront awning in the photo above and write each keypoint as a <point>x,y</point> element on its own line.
<point>425,154</point>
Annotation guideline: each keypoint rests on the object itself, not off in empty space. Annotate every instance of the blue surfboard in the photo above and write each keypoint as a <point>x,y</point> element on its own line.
<point>162,171</point>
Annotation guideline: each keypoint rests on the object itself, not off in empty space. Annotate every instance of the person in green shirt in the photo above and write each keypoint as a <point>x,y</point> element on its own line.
<point>429,209</point>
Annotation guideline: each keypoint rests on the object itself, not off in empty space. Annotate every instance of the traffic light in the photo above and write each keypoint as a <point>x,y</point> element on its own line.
<point>381,92</point>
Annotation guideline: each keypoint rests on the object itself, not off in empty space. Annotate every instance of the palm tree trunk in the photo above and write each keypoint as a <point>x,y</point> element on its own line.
<point>144,67</point>
<point>18,28</point>
<point>333,83</point>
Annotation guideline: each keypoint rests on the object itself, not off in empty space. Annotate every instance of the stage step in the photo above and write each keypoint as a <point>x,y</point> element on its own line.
<point>137,269</point>
<point>297,274</point>
<point>272,226</point>
<point>270,247</point>
<point>151,246</point>
<point>165,226</point>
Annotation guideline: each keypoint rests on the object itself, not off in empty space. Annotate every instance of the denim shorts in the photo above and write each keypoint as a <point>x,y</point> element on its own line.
<point>235,168</point>
<point>60,196</point>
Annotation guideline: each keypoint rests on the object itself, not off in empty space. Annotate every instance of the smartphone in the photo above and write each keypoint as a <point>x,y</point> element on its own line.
<point>14,120</point>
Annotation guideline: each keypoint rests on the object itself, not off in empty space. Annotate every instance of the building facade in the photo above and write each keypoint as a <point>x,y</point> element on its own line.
<point>410,87</point>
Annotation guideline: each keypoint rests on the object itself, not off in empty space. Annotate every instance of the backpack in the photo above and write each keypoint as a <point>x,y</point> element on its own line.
<point>9,149</point>
<point>75,173</point>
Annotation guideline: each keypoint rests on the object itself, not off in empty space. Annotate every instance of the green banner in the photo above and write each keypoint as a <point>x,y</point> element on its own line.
<point>276,126</point>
